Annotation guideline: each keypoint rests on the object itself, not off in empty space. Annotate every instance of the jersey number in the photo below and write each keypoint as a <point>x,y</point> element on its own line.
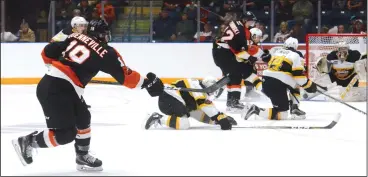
<point>78,53</point>
<point>276,62</point>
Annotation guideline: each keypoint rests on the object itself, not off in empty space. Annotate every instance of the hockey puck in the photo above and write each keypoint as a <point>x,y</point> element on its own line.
<point>305,96</point>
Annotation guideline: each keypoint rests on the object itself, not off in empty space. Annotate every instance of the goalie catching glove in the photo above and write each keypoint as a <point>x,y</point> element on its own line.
<point>153,84</point>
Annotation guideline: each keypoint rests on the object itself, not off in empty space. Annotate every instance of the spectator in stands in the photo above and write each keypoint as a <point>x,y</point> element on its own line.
<point>283,11</point>
<point>66,5</point>
<point>338,5</point>
<point>76,12</point>
<point>302,12</point>
<point>42,25</point>
<point>86,10</point>
<point>26,34</point>
<point>355,5</point>
<point>184,29</point>
<point>206,35</point>
<point>190,10</point>
<point>163,28</point>
<point>109,11</point>
<point>283,34</point>
<point>297,32</point>
<point>358,27</point>
<point>341,29</point>
<point>62,21</point>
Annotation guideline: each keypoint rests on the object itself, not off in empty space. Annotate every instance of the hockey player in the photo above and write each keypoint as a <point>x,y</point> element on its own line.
<point>77,25</point>
<point>74,62</point>
<point>342,66</point>
<point>285,72</point>
<point>233,55</point>
<point>178,106</point>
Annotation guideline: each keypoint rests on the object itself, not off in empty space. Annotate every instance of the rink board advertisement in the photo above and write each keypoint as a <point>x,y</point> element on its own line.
<point>21,63</point>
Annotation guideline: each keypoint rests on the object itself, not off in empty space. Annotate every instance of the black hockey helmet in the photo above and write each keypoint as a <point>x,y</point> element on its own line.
<point>248,16</point>
<point>99,29</point>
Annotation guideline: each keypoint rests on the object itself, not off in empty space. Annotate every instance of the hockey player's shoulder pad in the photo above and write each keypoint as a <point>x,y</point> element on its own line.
<point>353,55</point>
<point>332,55</point>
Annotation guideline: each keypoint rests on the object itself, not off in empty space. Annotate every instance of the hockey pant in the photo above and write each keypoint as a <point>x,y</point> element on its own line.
<point>177,113</point>
<point>237,71</point>
<point>67,115</point>
<point>277,91</point>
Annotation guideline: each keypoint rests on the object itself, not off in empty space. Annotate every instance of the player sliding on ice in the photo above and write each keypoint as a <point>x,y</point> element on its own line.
<point>285,72</point>
<point>179,106</point>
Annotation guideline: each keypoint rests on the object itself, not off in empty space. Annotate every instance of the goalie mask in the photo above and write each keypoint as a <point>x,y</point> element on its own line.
<point>342,51</point>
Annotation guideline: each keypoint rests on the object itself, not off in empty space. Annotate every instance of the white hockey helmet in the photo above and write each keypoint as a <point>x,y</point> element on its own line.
<point>342,50</point>
<point>256,35</point>
<point>79,23</point>
<point>291,43</point>
<point>208,81</point>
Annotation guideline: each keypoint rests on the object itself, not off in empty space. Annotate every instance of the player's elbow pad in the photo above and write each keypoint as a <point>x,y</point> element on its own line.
<point>241,56</point>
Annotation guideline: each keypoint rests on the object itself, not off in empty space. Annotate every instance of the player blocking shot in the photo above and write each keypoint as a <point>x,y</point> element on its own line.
<point>74,62</point>
<point>179,106</point>
<point>285,72</point>
<point>344,68</point>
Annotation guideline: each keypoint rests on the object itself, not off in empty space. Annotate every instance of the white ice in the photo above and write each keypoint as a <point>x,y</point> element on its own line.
<point>125,148</point>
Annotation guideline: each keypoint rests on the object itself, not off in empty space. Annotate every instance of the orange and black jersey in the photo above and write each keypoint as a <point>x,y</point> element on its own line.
<point>237,38</point>
<point>80,57</point>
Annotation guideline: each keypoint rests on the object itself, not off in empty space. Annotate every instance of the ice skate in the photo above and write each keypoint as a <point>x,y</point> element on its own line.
<point>296,113</point>
<point>252,110</point>
<point>234,106</point>
<point>23,148</point>
<point>154,119</point>
<point>88,163</point>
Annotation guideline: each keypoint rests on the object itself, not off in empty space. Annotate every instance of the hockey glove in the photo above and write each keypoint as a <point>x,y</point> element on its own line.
<point>222,120</point>
<point>153,84</point>
<point>252,60</point>
<point>310,87</point>
<point>266,57</point>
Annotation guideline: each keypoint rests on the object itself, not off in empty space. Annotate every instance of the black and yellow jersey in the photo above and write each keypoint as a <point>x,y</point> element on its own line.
<point>286,65</point>
<point>193,100</point>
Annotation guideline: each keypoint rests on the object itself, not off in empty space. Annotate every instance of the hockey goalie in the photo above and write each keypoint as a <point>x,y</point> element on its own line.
<point>341,71</point>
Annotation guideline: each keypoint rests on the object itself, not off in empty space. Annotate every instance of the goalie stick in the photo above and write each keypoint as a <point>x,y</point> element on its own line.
<point>329,126</point>
<point>219,84</point>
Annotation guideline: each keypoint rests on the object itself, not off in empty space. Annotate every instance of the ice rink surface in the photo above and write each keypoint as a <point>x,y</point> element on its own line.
<point>119,140</point>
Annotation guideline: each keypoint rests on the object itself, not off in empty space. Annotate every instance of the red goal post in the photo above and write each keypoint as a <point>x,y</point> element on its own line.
<point>320,45</point>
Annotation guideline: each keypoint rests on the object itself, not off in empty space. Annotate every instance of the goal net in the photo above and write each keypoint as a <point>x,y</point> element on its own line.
<point>320,45</point>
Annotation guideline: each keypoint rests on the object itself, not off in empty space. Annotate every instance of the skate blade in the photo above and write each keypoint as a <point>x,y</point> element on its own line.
<point>19,153</point>
<point>88,169</point>
<point>234,110</point>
